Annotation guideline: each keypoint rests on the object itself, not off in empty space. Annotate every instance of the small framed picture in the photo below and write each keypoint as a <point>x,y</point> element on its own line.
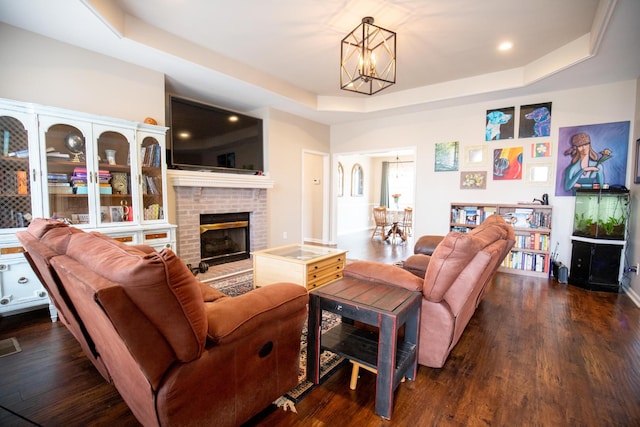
<point>474,180</point>
<point>539,173</point>
<point>475,156</point>
<point>117,213</point>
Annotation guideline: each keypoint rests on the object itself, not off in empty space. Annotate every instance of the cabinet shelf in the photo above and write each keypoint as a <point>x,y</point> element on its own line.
<point>15,195</point>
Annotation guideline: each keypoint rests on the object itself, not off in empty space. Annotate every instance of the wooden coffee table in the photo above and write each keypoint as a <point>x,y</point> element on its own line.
<point>385,306</point>
<point>308,265</point>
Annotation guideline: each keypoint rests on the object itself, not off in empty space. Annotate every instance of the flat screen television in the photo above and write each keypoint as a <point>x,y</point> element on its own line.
<point>204,137</point>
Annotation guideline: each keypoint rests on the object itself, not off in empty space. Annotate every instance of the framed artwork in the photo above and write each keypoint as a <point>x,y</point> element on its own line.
<point>447,156</point>
<point>474,180</point>
<point>117,213</point>
<point>474,156</point>
<point>499,124</point>
<point>541,149</point>
<point>590,155</point>
<point>637,176</point>
<point>535,120</point>
<point>539,173</point>
<point>507,163</point>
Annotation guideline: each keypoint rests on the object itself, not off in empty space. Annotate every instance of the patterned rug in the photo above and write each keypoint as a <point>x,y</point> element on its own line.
<point>329,361</point>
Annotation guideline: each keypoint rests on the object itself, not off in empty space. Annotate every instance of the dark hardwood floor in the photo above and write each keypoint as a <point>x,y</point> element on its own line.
<point>536,353</point>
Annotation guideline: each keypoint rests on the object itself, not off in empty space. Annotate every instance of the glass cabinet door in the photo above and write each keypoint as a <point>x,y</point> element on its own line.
<point>68,176</point>
<point>151,159</point>
<point>114,176</point>
<point>15,177</point>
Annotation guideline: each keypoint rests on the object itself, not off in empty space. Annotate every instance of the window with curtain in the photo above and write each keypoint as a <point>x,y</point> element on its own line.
<point>400,181</point>
<point>340,180</point>
<point>357,180</point>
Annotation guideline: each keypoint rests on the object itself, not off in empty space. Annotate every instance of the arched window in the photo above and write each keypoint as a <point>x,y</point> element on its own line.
<point>340,180</point>
<point>357,186</point>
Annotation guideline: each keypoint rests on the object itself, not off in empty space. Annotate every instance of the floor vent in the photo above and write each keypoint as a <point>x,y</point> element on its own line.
<point>9,346</point>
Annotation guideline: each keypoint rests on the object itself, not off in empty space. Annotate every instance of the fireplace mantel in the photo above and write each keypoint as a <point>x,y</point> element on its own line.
<point>181,178</point>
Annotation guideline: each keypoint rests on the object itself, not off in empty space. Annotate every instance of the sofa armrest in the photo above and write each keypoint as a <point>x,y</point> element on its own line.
<point>427,244</point>
<point>230,319</point>
<point>417,264</point>
<point>383,273</point>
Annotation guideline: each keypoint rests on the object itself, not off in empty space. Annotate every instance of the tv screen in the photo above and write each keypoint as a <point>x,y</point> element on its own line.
<point>207,137</point>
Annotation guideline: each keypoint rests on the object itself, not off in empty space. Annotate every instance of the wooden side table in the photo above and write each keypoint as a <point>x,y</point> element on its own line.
<point>388,308</point>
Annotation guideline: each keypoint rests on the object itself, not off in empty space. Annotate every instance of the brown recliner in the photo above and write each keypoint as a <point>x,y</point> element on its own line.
<point>457,274</point>
<point>179,352</point>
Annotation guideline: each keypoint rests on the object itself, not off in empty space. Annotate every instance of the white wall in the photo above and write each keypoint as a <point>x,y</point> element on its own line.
<point>288,136</point>
<point>44,71</point>
<point>633,251</point>
<point>436,190</point>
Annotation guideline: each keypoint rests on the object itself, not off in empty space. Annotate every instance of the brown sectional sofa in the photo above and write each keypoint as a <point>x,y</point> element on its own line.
<point>452,281</point>
<point>180,353</point>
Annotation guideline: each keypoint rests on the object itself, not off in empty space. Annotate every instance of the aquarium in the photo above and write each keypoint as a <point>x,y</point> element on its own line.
<point>601,214</point>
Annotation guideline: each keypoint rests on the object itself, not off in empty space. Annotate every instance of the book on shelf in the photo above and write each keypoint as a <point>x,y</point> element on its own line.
<point>60,190</point>
<point>19,153</point>
<point>57,154</point>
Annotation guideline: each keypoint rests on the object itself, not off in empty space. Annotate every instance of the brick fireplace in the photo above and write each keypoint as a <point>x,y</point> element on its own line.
<point>198,193</point>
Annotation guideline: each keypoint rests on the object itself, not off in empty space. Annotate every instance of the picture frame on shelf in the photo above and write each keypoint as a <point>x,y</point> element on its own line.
<point>105,214</point>
<point>539,173</point>
<point>117,213</point>
<point>474,156</point>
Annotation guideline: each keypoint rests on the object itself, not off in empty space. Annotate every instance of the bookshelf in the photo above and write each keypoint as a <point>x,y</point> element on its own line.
<point>531,253</point>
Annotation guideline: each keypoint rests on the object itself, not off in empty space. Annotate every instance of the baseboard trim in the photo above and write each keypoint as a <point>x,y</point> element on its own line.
<point>633,296</point>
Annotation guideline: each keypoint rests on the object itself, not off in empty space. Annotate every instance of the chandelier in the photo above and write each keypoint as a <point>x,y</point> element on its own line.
<point>368,59</point>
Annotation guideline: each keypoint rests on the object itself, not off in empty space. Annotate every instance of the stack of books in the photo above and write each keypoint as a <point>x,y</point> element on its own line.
<point>79,181</point>
<point>59,183</point>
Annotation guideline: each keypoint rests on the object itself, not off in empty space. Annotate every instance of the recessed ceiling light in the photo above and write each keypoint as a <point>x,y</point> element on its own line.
<point>233,119</point>
<point>505,46</point>
<point>184,135</point>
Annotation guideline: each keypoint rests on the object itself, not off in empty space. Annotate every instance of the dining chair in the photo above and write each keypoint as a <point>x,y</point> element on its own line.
<point>380,218</point>
<point>406,223</point>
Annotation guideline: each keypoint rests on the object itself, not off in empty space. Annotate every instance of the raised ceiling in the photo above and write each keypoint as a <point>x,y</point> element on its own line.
<point>251,54</point>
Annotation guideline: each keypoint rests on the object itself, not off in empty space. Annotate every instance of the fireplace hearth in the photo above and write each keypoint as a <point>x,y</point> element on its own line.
<point>224,237</point>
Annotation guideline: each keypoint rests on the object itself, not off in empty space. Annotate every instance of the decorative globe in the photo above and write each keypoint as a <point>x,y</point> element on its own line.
<point>75,145</point>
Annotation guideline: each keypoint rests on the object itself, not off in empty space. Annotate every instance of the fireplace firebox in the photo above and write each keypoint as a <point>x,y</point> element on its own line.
<point>224,237</point>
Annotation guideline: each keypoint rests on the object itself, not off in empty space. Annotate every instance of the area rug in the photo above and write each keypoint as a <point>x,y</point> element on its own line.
<point>329,362</point>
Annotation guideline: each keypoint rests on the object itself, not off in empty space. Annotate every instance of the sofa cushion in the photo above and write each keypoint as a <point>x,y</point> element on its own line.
<point>448,260</point>
<point>159,284</point>
<point>383,273</point>
<point>39,226</point>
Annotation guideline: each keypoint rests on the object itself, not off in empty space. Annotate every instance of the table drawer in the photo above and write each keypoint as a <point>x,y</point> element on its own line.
<point>316,266</point>
<point>320,281</point>
<point>327,270</point>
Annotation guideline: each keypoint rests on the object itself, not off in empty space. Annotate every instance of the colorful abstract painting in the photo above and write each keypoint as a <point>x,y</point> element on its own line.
<point>507,163</point>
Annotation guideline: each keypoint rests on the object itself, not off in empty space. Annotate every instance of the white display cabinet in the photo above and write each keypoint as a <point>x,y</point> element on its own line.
<point>94,172</point>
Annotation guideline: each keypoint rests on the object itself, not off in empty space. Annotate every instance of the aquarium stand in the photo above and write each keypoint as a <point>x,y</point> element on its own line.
<point>597,264</point>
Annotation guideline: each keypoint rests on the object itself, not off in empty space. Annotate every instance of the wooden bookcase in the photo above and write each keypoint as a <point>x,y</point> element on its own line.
<point>531,254</point>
